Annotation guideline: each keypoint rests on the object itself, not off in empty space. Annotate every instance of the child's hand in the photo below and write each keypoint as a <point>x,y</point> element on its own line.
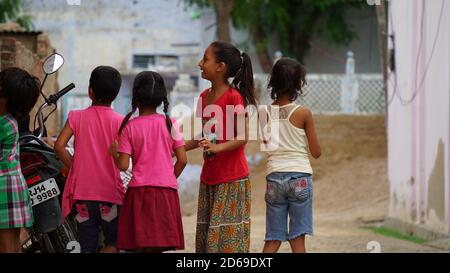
<point>49,141</point>
<point>113,149</point>
<point>203,143</point>
<point>209,147</point>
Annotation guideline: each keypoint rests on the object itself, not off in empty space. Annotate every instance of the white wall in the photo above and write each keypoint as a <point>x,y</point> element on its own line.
<point>109,32</point>
<point>419,128</point>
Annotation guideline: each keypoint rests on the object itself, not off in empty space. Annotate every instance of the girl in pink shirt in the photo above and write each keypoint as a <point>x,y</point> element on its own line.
<point>150,219</point>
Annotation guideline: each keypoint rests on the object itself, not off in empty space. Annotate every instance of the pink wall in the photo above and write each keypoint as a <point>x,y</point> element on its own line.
<point>419,114</point>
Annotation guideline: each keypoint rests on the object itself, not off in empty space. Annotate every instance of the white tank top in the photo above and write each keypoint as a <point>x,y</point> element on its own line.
<point>288,150</point>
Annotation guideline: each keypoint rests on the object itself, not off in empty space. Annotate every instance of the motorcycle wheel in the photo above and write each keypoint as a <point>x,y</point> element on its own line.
<point>61,237</point>
<point>45,244</point>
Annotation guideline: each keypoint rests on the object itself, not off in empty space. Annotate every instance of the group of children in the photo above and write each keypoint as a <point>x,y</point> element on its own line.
<point>146,216</point>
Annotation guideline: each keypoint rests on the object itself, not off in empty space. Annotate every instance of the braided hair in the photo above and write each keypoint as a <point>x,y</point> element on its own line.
<point>166,112</point>
<point>149,90</point>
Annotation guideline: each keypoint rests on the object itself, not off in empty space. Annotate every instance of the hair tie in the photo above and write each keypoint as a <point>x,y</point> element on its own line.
<point>242,58</point>
<point>166,114</point>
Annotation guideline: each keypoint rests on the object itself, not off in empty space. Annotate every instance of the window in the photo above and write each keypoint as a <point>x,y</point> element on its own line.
<point>161,63</point>
<point>143,61</point>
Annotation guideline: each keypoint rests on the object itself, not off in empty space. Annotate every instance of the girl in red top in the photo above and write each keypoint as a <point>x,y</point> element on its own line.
<point>223,217</point>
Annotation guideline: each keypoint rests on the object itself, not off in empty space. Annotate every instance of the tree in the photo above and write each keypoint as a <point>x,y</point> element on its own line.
<point>223,10</point>
<point>383,45</point>
<point>11,11</point>
<point>291,24</point>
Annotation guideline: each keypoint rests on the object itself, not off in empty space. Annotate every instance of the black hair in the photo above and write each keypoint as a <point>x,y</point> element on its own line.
<point>149,90</point>
<point>105,82</point>
<point>288,77</point>
<point>239,66</point>
<point>21,91</point>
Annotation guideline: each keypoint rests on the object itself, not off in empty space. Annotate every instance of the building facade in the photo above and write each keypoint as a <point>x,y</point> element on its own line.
<point>419,114</point>
<point>166,36</point>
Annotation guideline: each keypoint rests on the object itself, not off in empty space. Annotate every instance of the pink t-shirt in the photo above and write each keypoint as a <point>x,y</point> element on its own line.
<point>148,141</point>
<point>93,175</point>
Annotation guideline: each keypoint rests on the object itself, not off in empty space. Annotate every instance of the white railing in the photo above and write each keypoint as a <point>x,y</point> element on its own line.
<point>349,93</point>
<point>323,93</point>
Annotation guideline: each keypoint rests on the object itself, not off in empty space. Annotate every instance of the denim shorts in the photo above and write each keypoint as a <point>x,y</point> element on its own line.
<point>288,194</point>
<point>93,216</point>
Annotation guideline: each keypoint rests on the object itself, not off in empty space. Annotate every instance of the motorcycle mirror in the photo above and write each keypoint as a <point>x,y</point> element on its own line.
<point>53,63</point>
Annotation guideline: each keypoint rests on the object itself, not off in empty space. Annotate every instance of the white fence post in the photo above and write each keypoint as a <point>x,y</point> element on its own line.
<point>349,87</point>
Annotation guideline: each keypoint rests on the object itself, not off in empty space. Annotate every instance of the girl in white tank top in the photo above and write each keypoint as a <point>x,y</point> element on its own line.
<point>292,139</point>
<point>288,149</point>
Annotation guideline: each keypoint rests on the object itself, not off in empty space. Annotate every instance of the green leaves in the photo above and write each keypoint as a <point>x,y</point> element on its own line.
<point>293,23</point>
<point>11,11</point>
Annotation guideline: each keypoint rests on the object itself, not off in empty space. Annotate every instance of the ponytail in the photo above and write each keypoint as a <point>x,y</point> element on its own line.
<point>244,82</point>
<point>166,112</point>
<point>239,67</point>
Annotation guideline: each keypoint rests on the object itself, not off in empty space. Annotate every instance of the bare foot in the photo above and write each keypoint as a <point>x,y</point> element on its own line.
<point>109,249</point>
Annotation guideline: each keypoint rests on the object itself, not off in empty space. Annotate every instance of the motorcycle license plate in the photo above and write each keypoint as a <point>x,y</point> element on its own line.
<point>43,191</point>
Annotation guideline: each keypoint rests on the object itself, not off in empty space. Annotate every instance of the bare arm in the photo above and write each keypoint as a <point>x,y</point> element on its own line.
<point>191,145</point>
<point>180,154</point>
<point>61,143</point>
<point>228,146</point>
<point>313,142</point>
<point>122,160</point>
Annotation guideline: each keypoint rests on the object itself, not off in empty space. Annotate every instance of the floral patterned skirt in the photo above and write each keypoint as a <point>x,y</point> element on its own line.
<point>223,218</point>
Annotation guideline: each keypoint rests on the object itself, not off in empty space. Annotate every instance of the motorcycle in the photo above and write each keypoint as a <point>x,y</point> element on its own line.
<point>46,175</point>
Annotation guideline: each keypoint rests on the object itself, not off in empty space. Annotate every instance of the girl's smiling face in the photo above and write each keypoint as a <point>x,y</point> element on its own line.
<point>209,66</point>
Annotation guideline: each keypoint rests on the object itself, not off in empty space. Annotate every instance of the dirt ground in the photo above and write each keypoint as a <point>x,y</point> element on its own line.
<point>350,190</point>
